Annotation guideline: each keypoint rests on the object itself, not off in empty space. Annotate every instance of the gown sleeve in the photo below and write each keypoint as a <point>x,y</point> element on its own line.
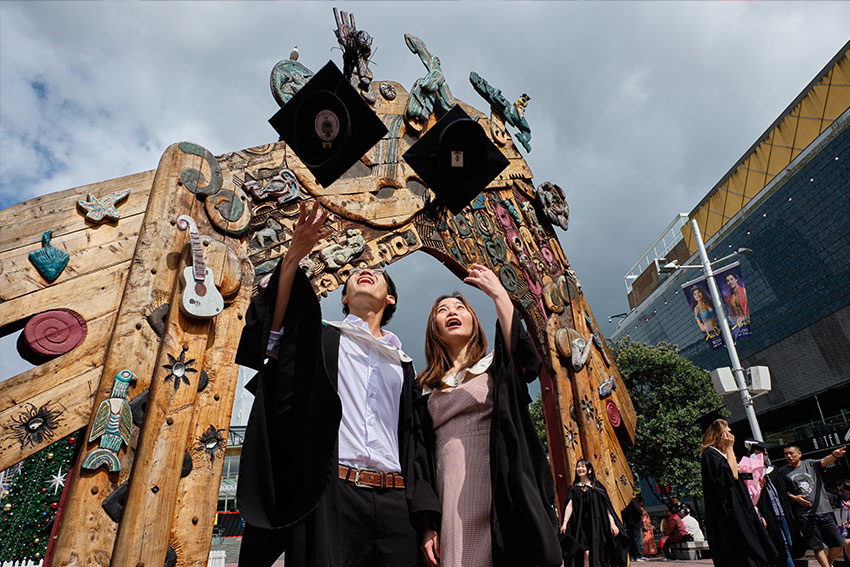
<point>424,498</point>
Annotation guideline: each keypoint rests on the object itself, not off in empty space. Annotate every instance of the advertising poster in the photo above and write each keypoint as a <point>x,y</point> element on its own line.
<point>699,301</point>
<point>734,294</point>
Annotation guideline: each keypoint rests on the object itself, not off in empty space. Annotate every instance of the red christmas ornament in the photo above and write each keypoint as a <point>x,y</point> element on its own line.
<point>44,490</point>
<point>54,505</point>
<point>72,440</point>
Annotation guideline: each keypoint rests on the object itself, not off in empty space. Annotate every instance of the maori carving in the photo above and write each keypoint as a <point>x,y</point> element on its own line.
<point>270,232</point>
<point>211,443</point>
<point>356,50</point>
<point>112,424</point>
<point>99,209</point>
<point>49,261</point>
<point>193,179</point>
<point>337,255</point>
<point>606,387</point>
<point>33,426</point>
<point>554,203</point>
<point>178,368</point>
<point>55,332</point>
<point>287,78</point>
<point>283,186</point>
<point>388,91</point>
<point>430,93</point>
<point>228,212</point>
<point>513,114</point>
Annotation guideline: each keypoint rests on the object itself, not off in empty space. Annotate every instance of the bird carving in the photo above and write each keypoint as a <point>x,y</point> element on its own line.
<point>112,424</point>
<point>294,53</point>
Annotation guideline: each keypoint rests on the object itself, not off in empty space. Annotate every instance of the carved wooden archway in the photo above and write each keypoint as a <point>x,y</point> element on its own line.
<point>122,278</point>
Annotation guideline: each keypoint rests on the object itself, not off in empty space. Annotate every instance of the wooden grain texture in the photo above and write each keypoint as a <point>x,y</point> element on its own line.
<point>90,250</point>
<point>91,295</point>
<point>150,282</point>
<point>87,355</point>
<point>71,399</point>
<point>58,211</point>
<point>197,495</point>
<point>152,497</point>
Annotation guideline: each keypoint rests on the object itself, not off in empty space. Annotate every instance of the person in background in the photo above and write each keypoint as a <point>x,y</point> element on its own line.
<point>844,490</point>
<point>734,530</point>
<point>811,505</point>
<point>649,547</point>
<point>775,507</point>
<point>691,523</point>
<point>674,532</point>
<point>634,528</point>
<point>593,534</point>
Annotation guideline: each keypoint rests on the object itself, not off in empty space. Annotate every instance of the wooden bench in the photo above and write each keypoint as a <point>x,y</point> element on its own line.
<point>690,550</point>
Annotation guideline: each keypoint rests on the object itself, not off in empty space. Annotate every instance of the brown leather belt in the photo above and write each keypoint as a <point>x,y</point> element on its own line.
<point>366,478</point>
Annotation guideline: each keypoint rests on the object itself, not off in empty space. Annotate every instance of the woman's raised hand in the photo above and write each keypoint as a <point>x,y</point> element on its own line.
<point>484,279</point>
<point>308,231</point>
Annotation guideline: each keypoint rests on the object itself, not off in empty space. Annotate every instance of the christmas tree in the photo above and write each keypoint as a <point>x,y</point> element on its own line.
<point>28,508</point>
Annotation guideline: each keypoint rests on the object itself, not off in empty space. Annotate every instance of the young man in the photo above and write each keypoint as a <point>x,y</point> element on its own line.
<point>326,467</point>
<point>810,503</point>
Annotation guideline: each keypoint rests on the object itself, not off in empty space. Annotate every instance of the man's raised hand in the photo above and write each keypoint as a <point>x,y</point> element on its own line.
<point>308,231</point>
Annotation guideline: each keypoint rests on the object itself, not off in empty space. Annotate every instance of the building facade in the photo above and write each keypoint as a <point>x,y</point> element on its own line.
<point>788,200</point>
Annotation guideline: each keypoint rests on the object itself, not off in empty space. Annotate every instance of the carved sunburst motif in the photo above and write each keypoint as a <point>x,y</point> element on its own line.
<point>598,424</point>
<point>35,425</point>
<point>587,409</point>
<point>570,436</point>
<point>178,368</point>
<point>212,442</point>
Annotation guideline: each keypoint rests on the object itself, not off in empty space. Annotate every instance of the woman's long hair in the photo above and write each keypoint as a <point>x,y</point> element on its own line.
<point>436,354</point>
<point>591,474</point>
<point>711,437</point>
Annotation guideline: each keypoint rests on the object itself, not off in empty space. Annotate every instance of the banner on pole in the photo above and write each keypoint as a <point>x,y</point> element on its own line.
<point>699,300</point>
<point>734,294</point>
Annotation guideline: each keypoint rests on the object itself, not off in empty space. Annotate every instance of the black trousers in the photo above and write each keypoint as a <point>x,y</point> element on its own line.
<point>351,527</point>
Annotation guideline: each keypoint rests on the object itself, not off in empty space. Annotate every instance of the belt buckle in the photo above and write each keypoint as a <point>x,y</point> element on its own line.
<point>357,478</point>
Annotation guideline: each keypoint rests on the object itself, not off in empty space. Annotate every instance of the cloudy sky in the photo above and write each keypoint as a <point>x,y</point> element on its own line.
<point>637,109</point>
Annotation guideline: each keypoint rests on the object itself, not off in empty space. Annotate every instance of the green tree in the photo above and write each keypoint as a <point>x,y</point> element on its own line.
<point>536,411</point>
<point>670,394</point>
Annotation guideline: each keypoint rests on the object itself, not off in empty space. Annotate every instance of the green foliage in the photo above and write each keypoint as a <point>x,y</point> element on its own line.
<point>536,411</point>
<point>28,509</point>
<point>670,394</point>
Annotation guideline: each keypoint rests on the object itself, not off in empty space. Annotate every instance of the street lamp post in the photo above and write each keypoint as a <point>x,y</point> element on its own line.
<point>720,311</point>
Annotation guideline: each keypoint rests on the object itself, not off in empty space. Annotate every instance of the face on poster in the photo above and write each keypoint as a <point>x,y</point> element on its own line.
<point>730,282</point>
<point>699,301</point>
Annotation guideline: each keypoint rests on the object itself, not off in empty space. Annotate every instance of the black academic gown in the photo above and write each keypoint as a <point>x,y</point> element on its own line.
<point>523,523</point>
<point>290,450</point>
<point>774,530</point>
<point>589,529</point>
<point>734,531</point>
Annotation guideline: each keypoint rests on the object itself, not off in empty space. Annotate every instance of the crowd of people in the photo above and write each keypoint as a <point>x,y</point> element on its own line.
<point>351,458</point>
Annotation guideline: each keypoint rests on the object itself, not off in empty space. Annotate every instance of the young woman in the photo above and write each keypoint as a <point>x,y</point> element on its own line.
<point>594,532</point>
<point>734,530</point>
<point>704,312</point>
<point>483,460</point>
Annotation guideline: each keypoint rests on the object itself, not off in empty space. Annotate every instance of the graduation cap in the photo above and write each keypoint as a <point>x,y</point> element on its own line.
<point>456,159</point>
<point>707,419</point>
<point>328,125</point>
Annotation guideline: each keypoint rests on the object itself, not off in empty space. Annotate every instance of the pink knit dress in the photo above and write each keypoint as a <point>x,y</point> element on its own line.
<point>461,419</point>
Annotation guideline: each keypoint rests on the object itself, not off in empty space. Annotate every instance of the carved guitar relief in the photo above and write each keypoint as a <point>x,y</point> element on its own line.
<point>200,298</point>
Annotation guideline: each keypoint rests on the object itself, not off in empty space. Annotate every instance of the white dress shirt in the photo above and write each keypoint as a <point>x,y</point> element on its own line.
<point>369,384</point>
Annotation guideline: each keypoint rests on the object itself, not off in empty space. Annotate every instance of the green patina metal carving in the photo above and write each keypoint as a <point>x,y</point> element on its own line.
<point>431,91</point>
<point>49,261</point>
<point>192,178</point>
<point>513,114</point>
<point>287,78</point>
